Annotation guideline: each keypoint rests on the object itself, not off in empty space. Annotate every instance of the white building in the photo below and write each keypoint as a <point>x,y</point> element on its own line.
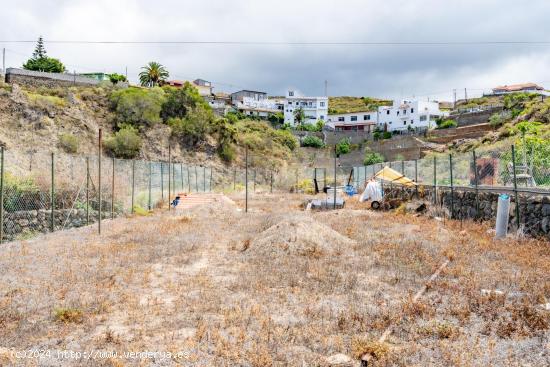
<point>356,121</point>
<point>315,108</point>
<point>407,115</point>
<point>402,115</point>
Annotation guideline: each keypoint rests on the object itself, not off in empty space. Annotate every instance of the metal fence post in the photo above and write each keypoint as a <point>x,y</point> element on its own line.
<point>271,182</point>
<point>515,185</point>
<point>234,178</point>
<point>196,180</point>
<point>335,162</point>
<point>181,174</point>
<point>99,181</point>
<point>52,227</point>
<point>246,180</point>
<point>161,182</point>
<point>150,178</point>
<point>203,178</point>
<point>476,182</point>
<point>189,179</point>
<point>169,175</point>
<point>1,194</point>
<point>87,190</point>
<point>113,191</point>
<point>133,182</point>
<point>210,183</point>
<point>452,186</point>
<point>435,181</point>
<point>416,177</point>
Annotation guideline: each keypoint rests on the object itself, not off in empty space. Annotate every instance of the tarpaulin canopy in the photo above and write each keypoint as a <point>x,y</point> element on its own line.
<point>391,175</point>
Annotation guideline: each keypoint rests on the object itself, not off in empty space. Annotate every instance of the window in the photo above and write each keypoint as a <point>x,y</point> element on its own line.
<point>405,122</point>
<point>309,104</point>
<point>353,118</point>
<point>289,102</point>
<point>423,118</point>
<point>366,117</point>
<point>322,104</point>
<point>291,93</point>
<point>404,112</point>
<point>412,110</point>
<point>388,123</point>
<point>412,121</point>
<point>387,112</point>
<point>322,117</point>
<point>341,118</point>
<point>397,113</point>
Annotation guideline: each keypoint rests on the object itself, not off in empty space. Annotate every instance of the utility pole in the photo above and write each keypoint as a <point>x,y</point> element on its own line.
<point>454,98</point>
<point>126,73</point>
<point>466,95</point>
<point>326,88</point>
<point>4,61</point>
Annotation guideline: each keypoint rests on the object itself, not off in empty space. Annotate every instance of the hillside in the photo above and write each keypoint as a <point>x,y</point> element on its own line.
<point>137,123</point>
<point>355,104</point>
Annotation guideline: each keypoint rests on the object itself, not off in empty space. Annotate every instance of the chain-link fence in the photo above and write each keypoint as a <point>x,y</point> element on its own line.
<point>43,192</point>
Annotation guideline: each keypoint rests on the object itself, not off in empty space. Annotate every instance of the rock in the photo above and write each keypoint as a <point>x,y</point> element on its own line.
<point>546,210</point>
<point>339,360</point>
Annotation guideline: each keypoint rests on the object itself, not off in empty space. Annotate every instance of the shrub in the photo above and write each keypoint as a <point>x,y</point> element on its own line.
<point>179,101</point>
<point>138,106</point>
<point>67,315</point>
<point>193,128</point>
<point>499,118</point>
<point>446,124</point>
<point>226,133</point>
<point>45,101</point>
<point>343,147</point>
<point>46,64</point>
<point>125,143</point>
<point>21,193</point>
<point>285,138</point>
<point>115,78</point>
<point>372,157</point>
<point>69,143</point>
<point>386,135</point>
<point>312,141</point>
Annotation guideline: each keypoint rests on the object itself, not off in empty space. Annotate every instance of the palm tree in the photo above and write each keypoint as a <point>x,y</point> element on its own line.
<point>299,116</point>
<point>153,74</point>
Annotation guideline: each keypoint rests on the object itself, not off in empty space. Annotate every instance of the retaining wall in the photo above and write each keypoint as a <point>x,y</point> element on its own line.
<point>51,80</point>
<point>534,209</point>
<point>18,224</point>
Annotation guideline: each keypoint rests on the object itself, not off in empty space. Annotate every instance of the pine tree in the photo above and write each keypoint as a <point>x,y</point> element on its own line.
<point>39,51</point>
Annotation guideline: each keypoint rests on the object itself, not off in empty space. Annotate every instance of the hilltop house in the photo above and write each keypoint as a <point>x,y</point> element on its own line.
<point>315,108</point>
<point>204,87</point>
<point>514,88</point>
<point>355,121</point>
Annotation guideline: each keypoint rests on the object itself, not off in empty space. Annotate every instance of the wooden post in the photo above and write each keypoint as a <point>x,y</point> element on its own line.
<point>452,186</point>
<point>87,190</point>
<point>476,182</point>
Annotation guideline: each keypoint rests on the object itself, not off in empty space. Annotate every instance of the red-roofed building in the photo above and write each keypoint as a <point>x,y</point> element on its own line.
<point>514,88</point>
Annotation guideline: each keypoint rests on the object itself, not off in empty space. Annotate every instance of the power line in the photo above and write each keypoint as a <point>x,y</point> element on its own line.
<point>296,43</point>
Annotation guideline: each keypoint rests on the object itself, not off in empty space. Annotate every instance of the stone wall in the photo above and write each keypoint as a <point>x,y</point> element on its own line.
<point>534,209</point>
<point>474,118</point>
<point>51,80</point>
<point>27,222</point>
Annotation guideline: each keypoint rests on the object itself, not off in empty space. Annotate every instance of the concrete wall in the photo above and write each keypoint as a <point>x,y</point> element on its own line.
<point>474,118</point>
<point>466,132</point>
<point>50,80</point>
<point>534,209</point>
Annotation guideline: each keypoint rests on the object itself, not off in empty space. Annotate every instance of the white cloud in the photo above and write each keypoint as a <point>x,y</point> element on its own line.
<point>388,71</point>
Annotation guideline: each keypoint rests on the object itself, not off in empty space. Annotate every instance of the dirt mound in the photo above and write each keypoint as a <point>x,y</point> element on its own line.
<point>299,235</point>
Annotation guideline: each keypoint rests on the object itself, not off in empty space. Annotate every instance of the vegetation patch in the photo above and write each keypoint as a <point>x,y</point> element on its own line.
<point>69,143</point>
<point>68,315</point>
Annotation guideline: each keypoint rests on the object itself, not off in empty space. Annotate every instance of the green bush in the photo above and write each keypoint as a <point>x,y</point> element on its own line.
<point>386,135</point>
<point>179,101</point>
<point>372,157</point>
<point>285,138</point>
<point>343,147</point>
<point>312,141</point>
<point>21,193</point>
<point>138,106</point>
<point>194,127</point>
<point>446,124</point>
<point>69,143</point>
<point>46,64</point>
<point>115,78</point>
<point>125,143</point>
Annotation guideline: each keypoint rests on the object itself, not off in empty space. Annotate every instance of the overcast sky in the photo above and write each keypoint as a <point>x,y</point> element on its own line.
<point>380,71</point>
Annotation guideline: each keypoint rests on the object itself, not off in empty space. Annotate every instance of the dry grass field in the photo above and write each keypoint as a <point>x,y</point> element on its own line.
<point>277,286</point>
